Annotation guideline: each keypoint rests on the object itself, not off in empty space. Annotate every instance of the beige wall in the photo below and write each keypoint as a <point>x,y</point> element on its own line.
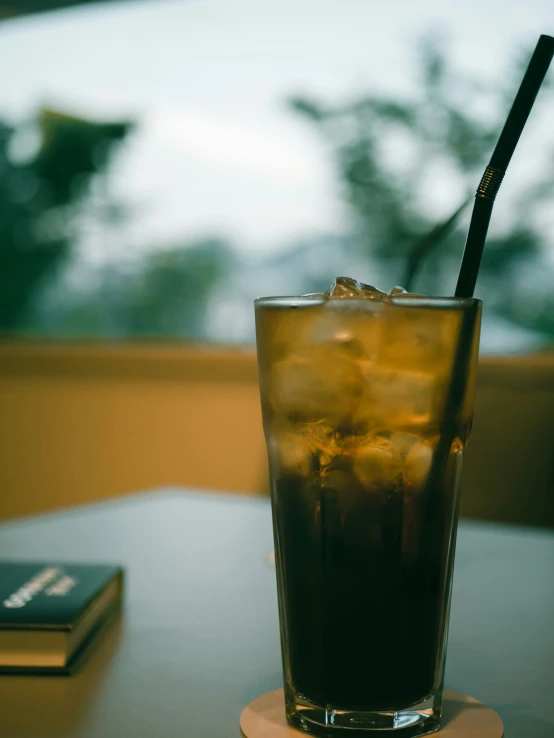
<point>509,474</point>
<point>85,422</point>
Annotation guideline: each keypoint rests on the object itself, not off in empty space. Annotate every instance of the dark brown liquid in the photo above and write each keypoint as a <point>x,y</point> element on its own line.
<point>361,577</point>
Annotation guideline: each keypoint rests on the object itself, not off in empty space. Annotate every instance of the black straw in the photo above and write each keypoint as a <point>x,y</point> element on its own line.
<point>494,173</point>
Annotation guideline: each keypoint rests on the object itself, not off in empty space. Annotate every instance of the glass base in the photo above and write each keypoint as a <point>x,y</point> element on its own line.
<point>328,722</point>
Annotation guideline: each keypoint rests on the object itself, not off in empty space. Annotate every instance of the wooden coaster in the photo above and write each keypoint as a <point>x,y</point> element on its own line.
<point>463,717</point>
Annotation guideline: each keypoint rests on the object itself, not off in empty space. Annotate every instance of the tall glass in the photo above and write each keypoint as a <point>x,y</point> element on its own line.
<point>367,406</point>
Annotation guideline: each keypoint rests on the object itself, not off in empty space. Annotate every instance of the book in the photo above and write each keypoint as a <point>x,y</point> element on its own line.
<point>50,612</point>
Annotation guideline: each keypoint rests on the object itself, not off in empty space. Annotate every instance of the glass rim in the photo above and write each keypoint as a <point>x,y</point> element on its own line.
<point>402,300</point>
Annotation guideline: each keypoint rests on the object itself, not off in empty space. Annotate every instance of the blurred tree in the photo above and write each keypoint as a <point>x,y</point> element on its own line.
<point>164,294</point>
<point>40,194</point>
<point>170,294</point>
<point>392,157</point>
<point>390,154</point>
<point>26,7</point>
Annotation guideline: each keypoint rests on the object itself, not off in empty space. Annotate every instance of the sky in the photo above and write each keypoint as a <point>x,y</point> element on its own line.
<point>216,150</point>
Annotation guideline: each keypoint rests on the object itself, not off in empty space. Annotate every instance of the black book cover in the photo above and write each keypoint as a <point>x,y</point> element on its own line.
<point>40,600</point>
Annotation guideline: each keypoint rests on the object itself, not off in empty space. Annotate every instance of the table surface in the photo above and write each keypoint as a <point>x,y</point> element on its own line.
<point>198,638</point>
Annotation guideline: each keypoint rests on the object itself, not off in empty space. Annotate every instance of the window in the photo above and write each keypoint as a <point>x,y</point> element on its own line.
<point>164,162</point>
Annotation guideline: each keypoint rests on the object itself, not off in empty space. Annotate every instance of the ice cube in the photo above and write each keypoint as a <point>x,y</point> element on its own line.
<point>417,465</point>
<point>304,448</point>
<point>320,383</point>
<point>378,463</point>
<point>293,452</point>
<point>354,328</point>
<point>403,441</point>
<point>418,338</point>
<point>397,291</point>
<point>397,399</point>
<point>345,287</point>
<point>339,331</point>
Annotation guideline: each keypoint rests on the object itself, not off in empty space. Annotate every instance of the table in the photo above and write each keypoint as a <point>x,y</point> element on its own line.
<point>199,639</point>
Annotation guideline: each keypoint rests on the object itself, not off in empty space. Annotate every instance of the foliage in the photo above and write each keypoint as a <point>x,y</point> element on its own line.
<point>163,295</point>
<point>40,199</point>
<point>389,195</point>
<point>173,288</point>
